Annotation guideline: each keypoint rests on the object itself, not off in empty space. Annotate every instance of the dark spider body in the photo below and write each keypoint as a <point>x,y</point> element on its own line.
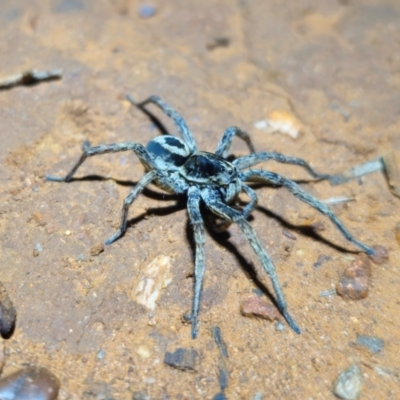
<point>176,166</point>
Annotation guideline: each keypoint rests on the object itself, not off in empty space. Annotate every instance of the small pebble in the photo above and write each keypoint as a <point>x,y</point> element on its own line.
<point>320,260</point>
<point>183,359</point>
<point>289,234</point>
<point>372,343</point>
<point>279,326</point>
<point>7,313</point>
<point>147,11</point>
<point>101,354</point>
<point>326,293</point>
<point>380,255</point>
<point>30,383</point>
<point>348,384</point>
<point>218,42</point>
<point>354,281</point>
<point>96,249</point>
<point>256,307</point>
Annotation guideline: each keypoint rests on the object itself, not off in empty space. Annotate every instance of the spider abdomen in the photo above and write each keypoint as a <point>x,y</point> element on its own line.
<point>169,152</point>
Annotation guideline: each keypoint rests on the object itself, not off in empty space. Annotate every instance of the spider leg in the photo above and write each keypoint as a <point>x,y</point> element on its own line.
<point>252,159</point>
<point>297,191</point>
<point>144,181</point>
<point>225,143</point>
<point>137,148</point>
<point>199,237</point>
<point>219,208</point>
<point>175,116</point>
<point>223,226</point>
<point>253,200</point>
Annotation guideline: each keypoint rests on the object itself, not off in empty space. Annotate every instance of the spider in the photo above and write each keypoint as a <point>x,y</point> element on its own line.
<point>177,166</point>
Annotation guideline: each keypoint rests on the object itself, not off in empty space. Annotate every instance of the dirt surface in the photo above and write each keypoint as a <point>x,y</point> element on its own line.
<point>332,67</point>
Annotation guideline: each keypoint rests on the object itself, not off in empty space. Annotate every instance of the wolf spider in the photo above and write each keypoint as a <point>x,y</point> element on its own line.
<point>177,166</point>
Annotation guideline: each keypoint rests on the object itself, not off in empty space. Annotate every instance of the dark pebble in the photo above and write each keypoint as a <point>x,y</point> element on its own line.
<point>320,260</point>
<point>32,383</point>
<point>289,234</point>
<point>7,313</point>
<point>183,359</point>
<point>380,255</point>
<point>372,343</point>
<point>96,249</point>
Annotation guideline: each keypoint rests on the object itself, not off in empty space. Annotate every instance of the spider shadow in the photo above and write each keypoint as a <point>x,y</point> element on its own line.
<point>222,238</point>
<point>150,193</point>
<point>305,230</point>
<point>147,192</point>
<point>153,119</point>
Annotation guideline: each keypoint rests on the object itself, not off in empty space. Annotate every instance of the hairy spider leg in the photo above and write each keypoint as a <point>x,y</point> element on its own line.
<point>180,123</point>
<point>223,226</point>
<point>214,203</point>
<point>297,191</point>
<point>225,143</point>
<point>253,159</point>
<point>132,196</point>
<point>253,200</point>
<point>145,158</point>
<point>199,237</point>
<point>178,187</point>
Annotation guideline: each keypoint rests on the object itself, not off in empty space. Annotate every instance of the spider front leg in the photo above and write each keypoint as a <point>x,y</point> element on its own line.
<point>225,224</point>
<point>215,204</point>
<point>225,143</point>
<point>297,191</point>
<point>198,229</point>
<point>253,159</point>
<point>180,123</point>
<point>132,196</point>
<point>145,158</point>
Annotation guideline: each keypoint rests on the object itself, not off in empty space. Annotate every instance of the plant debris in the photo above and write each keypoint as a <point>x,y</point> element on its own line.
<point>29,77</point>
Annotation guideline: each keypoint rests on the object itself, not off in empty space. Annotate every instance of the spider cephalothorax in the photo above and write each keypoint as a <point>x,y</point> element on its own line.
<point>176,166</point>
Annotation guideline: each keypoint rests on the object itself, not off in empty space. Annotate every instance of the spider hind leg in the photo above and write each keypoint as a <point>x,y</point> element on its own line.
<point>219,208</point>
<point>196,220</point>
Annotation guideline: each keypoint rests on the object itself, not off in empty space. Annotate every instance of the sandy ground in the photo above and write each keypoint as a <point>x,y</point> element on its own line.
<point>331,67</point>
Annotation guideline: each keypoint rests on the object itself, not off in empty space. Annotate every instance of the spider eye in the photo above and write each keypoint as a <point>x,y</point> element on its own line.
<point>230,171</point>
